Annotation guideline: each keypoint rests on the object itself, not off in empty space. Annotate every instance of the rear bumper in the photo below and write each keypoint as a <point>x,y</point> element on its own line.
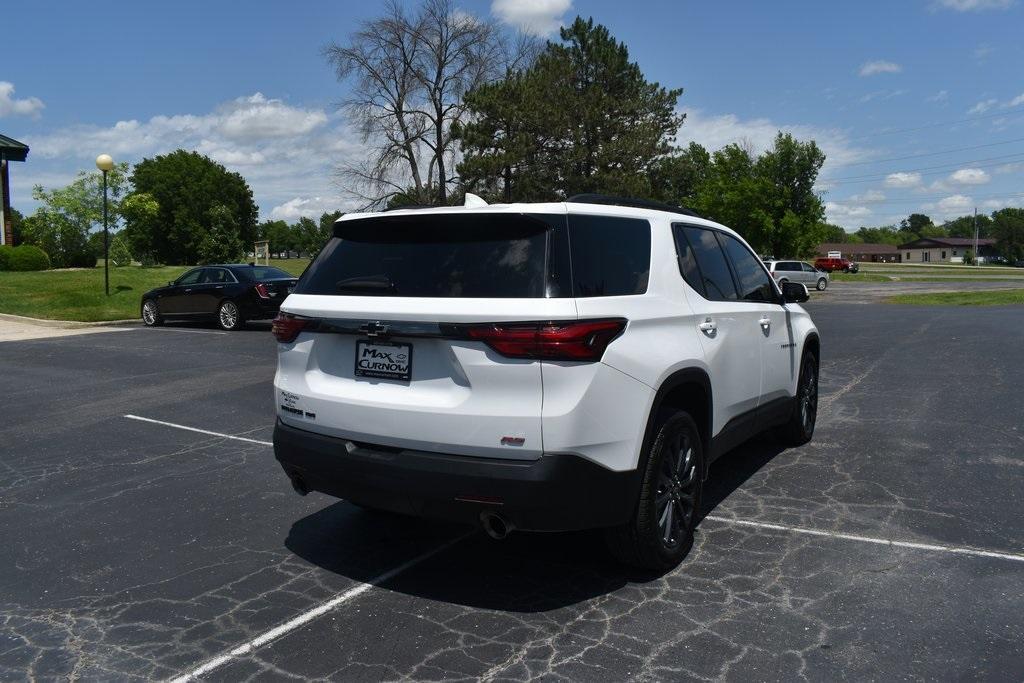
<point>552,493</point>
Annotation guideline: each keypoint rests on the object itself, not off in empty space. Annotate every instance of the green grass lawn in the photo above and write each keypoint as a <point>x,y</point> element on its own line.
<point>78,294</point>
<point>839,276</point>
<point>999,297</point>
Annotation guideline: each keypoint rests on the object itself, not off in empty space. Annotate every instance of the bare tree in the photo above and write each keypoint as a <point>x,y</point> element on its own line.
<point>408,75</point>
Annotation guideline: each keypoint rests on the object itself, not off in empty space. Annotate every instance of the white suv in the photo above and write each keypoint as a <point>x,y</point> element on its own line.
<point>538,366</point>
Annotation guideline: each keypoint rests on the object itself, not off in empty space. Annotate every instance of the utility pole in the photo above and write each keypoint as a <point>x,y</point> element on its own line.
<point>976,261</point>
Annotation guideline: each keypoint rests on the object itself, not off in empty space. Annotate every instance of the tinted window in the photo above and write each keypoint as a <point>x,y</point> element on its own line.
<point>439,255</point>
<point>191,277</point>
<point>808,268</point>
<point>714,270</point>
<point>611,256</point>
<point>261,273</point>
<point>687,260</point>
<point>217,276</point>
<point>754,283</point>
<point>787,266</point>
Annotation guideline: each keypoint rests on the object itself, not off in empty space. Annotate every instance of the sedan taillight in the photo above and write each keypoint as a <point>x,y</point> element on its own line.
<point>286,327</point>
<point>584,340</point>
<point>261,289</point>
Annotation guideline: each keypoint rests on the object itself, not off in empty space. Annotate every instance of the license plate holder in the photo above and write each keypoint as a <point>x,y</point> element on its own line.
<point>383,360</point>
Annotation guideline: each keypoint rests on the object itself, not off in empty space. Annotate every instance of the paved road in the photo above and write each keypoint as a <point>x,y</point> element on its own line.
<point>138,550</point>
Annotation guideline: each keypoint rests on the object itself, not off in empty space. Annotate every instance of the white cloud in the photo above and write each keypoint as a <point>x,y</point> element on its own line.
<point>30,106</point>
<point>941,97</point>
<point>846,215</point>
<point>983,106</point>
<point>882,94</point>
<point>285,152</point>
<point>536,17</point>
<point>982,52</point>
<point>1016,101</point>
<point>902,179</point>
<point>972,5</point>
<point>869,196</point>
<point>717,131</point>
<point>970,176</point>
<point>311,207</point>
<point>955,204</point>
<point>879,66</point>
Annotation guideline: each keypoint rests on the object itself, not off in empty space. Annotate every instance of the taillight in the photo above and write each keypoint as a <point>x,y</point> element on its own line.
<point>261,289</point>
<point>584,340</point>
<point>286,327</point>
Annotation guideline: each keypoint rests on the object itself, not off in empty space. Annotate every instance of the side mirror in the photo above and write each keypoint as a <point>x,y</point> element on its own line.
<point>170,283</point>
<point>794,293</point>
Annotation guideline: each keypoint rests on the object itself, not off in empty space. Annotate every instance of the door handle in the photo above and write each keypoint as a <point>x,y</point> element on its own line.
<point>219,287</point>
<point>709,326</point>
<point>188,290</point>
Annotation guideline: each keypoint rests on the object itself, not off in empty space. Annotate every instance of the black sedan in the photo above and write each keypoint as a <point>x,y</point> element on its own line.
<point>227,293</point>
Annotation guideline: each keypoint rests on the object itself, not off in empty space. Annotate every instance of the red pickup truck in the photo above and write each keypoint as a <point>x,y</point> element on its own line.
<point>832,264</point>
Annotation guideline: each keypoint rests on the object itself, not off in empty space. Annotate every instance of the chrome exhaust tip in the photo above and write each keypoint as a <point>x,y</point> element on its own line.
<point>496,526</point>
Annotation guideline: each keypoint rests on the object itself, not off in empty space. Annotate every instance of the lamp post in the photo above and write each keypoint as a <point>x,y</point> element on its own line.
<point>105,163</point>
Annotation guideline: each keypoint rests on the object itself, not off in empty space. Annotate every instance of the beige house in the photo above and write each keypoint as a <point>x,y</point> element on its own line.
<point>945,250</point>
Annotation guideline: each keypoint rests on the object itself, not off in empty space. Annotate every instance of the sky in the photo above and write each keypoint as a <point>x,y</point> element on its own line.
<point>918,104</point>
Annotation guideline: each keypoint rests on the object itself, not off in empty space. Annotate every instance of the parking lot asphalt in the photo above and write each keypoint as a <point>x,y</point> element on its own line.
<point>140,550</point>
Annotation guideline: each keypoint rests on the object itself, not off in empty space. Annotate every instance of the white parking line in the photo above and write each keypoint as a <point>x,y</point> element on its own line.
<point>306,617</point>
<point>199,431</point>
<point>975,552</point>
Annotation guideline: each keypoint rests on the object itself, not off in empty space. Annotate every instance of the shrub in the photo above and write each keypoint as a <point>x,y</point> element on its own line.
<point>82,257</point>
<point>28,257</point>
<point>5,256</point>
<point>119,253</point>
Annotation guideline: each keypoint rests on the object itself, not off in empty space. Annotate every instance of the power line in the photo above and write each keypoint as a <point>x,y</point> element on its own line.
<point>926,170</point>
<point>933,198</point>
<point>932,154</point>
<point>932,125</point>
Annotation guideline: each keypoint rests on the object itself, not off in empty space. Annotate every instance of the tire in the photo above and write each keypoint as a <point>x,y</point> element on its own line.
<point>229,316</point>
<point>822,284</point>
<point>661,532</point>
<point>151,313</point>
<point>800,427</point>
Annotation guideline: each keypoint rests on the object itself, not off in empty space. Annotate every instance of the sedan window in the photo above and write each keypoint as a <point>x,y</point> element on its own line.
<point>191,277</point>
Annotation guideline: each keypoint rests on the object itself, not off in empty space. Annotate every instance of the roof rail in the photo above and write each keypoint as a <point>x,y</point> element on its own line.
<point>404,207</point>
<point>612,200</point>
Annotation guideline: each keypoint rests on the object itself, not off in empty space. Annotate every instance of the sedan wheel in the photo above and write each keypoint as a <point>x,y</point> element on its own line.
<point>229,317</point>
<point>151,314</point>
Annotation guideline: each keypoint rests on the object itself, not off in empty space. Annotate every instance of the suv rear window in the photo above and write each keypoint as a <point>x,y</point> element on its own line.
<point>439,255</point>
<point>611,256</point>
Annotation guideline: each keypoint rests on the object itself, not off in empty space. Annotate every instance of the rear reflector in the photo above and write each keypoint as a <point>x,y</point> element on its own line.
<point>286,327</point>
<point>583,340</point>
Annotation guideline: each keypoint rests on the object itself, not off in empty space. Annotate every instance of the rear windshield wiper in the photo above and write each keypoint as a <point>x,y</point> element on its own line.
<point>372,284</point>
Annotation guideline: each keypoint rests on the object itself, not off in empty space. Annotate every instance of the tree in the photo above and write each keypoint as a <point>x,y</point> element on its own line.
<point>964,226</point>
<point>676,178</point>
<point>582,118</point>
<point>61,225</point>
<point>141,214</point>
<point>794,212</point>
<point>220,241</point>
<point>186,187</point>
<point>410,72</point>
<point>1008,231</point>
<point>834,233</point>
<point>886,234</point>
<point>278,235</point>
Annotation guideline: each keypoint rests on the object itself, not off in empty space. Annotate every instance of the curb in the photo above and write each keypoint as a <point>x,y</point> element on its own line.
<point>66,324</point>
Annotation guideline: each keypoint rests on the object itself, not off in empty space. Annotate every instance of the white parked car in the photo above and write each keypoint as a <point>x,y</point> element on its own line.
<point>798,271</point>
<point>538,366</point>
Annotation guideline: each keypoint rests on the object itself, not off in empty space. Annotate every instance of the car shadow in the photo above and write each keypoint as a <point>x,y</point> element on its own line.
<point>250,325</point>
<point>525,573</point>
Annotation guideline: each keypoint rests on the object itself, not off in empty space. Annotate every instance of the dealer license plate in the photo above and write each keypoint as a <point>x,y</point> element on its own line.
<point>384,360</point>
